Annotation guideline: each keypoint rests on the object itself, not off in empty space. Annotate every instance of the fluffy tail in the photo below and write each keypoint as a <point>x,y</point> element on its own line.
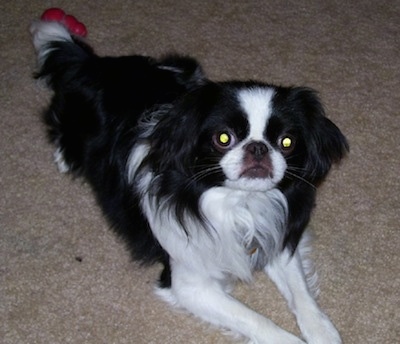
<point>58,51</point>
<point>44,33</point>
<point>71,117</point>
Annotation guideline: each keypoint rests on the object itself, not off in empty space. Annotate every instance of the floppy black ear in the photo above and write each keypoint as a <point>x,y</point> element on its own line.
<point>321,145</point>
<point>173,140</point>
<point>324,142</point>
<point>329,147</point>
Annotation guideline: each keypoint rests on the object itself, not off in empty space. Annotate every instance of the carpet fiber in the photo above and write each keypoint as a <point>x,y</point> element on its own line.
<point>64,276</point>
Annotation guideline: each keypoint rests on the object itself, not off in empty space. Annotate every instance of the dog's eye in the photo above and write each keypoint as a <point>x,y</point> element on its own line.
<point>224,140</point>
<point>286,143</point>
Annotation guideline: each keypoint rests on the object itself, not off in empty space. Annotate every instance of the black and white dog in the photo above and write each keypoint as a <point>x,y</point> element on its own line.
<point>213,179</point>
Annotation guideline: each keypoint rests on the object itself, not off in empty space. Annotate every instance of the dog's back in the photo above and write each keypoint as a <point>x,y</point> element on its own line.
<point>94,96</point>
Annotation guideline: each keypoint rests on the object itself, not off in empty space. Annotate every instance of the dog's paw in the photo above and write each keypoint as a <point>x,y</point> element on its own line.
<point>288,341</point>
<point>282,337</point>
<point>326,338</point>
<point>322,332</point>
<point>167,296</point>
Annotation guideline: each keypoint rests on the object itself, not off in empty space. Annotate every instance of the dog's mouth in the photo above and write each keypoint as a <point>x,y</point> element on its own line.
<point>257,162</point>
<point>257,170</point>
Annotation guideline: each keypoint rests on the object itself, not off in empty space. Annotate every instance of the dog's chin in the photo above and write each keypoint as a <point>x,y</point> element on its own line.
<point>251,184</point>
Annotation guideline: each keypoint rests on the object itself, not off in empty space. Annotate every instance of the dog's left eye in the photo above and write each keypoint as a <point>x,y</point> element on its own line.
<point>224,140</point>
<point>286,143</point>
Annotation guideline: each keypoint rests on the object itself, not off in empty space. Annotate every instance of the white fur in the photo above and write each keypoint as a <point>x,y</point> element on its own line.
<point>63,167</point>
<point>288,274</point>
<point>232,163</point>
<point>219,248</point>
<point>44,32</point>
<point>257,104</point>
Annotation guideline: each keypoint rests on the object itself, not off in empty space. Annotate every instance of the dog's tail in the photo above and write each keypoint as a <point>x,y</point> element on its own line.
<point>59,53</point>
<point>64,61</point>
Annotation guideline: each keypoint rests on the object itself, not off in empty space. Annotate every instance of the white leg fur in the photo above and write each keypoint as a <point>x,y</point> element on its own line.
<point>59,160</point>
<point>206,298</point>
<point>288,274</point>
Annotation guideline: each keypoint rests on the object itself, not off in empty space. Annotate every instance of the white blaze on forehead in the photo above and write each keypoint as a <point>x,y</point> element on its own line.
<point>257,103</point>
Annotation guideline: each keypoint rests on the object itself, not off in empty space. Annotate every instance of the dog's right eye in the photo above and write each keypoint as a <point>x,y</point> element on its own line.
<point>224,140</point>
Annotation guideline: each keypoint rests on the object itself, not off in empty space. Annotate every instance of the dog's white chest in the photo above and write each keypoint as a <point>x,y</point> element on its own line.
<point>251,222</point>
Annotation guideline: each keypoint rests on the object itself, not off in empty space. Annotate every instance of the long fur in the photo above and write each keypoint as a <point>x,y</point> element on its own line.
<point>144,133</point>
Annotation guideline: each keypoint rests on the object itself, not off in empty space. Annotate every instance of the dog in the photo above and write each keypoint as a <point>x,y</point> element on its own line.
<point>214,180</point>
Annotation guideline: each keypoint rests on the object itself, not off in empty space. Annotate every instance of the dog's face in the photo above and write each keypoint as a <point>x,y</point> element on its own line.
<point>252,161</point>
<point>248,136</point>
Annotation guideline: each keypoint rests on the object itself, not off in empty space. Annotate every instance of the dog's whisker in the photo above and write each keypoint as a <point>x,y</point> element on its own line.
<point>296,176</point>
<point>203,174</point>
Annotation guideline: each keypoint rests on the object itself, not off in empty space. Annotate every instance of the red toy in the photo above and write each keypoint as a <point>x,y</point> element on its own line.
<point>71,23</point>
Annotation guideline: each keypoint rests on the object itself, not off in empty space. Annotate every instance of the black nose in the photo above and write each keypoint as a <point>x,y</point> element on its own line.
<point>257,148</point>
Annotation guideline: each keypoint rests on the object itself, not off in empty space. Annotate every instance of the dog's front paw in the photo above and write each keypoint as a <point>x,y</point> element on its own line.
<point>281,338</point>
<point>289,341</point>
<point>322,332</point>
<point>326,338</point>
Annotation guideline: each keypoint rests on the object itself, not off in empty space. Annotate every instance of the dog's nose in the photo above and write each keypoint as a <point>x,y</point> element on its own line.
<point>257,148</point>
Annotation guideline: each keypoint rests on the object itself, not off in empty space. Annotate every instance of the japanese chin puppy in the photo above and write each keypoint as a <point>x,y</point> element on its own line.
<point>214,180</point>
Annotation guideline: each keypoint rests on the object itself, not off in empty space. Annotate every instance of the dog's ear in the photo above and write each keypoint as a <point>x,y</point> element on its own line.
<point>175,138</point>
<point>187,71</point>
<point>174,142</point>
<point>324,142</point>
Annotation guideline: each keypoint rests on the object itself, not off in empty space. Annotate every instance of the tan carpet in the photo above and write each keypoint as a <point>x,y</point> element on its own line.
<point>65,278</point>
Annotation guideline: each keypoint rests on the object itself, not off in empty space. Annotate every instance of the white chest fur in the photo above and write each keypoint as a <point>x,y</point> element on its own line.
<point>240,232</point>
<point>248,225</point>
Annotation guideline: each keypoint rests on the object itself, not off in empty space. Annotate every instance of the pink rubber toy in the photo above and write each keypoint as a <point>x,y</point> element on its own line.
<point>73,25</point>
<point>53,14</point>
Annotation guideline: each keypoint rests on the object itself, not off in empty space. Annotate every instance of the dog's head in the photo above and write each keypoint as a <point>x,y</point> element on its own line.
<point>247,136</point>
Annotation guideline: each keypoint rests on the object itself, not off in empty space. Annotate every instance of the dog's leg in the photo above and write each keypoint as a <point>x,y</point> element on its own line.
<point>288,274</point>
<point>207,299</point>
<point>59,160</point>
